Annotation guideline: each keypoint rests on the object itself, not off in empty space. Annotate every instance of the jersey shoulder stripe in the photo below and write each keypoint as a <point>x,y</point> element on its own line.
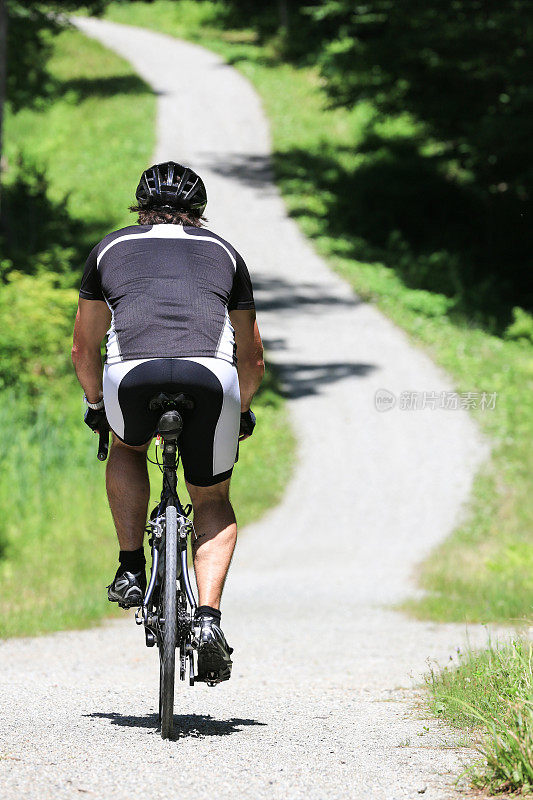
<point>205,232</point>
<point>129,230</point>
<point>161,232</point>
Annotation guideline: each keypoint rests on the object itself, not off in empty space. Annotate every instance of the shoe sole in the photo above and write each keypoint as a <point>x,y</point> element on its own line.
<point>212,668</point>
<point>135,602</point>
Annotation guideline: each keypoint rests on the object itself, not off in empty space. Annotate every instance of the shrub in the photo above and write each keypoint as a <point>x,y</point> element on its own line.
<point>36,319</point>
<point>521,328</point>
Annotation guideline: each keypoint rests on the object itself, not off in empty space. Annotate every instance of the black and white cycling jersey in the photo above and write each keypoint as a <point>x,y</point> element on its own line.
<point>169,288</point>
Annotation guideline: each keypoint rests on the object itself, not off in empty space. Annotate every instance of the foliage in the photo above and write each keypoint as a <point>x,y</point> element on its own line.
<point>461,67</point>
<point>36,319</point>
<point>53,206</point>
<point>521,327</point>
<point>491,693</point>
<point>285,24</point>
<point>462,71</point>
<point>30,45</point>
<point>37,232</point>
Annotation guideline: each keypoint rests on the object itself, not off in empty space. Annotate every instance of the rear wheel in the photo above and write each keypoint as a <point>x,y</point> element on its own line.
<point>169,629</point>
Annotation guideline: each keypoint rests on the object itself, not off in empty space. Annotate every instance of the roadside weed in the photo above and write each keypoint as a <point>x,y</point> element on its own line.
<point>490,694</point>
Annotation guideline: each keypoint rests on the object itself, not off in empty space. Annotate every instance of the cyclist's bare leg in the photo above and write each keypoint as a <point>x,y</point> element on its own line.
<point>216,531</point>
<point>128,492</point>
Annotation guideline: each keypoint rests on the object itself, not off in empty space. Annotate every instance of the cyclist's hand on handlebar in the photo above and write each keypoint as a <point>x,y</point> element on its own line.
<point>96,420</point>
<point>247,424</point>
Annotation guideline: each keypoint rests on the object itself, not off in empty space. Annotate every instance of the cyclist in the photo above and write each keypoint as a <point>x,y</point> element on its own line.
<point>177,304</point>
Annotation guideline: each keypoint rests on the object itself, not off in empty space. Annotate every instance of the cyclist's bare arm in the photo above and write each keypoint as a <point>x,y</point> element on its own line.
<point>92,322</point>
<point>250,364</point>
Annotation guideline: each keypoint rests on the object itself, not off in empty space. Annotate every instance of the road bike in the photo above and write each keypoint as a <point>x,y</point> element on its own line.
<point>167,612</point>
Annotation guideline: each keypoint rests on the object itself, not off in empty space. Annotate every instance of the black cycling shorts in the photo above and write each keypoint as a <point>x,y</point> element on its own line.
<point>208,443</point>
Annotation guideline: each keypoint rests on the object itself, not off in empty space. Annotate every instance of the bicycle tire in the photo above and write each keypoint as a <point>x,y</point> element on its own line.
<point>167,648</point>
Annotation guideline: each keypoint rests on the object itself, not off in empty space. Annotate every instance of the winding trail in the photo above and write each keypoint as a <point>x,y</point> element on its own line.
<point>321,704</point>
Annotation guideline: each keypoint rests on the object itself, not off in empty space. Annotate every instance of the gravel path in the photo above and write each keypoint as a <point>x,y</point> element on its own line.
<point>321,704</point>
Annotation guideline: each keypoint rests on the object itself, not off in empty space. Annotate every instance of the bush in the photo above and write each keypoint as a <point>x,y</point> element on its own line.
<point>521,328</point>
<point>427,303</point>
<point>36,320</point>
<point>37,232</point>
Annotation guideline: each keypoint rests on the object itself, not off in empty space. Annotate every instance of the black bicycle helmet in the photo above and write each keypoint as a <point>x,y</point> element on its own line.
<point>173,185</point>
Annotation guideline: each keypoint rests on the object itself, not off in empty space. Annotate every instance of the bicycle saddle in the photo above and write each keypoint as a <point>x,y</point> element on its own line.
<point>166,401</point>
<point>170,405</point>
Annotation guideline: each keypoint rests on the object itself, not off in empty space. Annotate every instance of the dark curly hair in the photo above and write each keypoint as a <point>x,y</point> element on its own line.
<point>165,215</point>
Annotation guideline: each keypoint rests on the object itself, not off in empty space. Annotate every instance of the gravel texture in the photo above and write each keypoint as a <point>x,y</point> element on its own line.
<point>322,703</point>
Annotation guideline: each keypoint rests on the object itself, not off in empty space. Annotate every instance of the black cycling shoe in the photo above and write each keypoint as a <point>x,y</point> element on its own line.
<point>127,589</point>
<point>214,662</point>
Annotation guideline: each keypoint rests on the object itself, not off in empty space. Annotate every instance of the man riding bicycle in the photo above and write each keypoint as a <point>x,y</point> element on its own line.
<point>176,302</point>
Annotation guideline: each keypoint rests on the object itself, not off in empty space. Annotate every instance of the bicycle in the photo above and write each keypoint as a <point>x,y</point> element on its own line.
<point>167,612</point>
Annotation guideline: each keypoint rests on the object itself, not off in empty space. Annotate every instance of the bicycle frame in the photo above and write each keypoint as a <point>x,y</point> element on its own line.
<point>169,497</point>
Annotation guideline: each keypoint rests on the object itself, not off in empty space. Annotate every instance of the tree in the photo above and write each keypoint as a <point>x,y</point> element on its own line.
<point>463,69</point>
<point>3,49</point>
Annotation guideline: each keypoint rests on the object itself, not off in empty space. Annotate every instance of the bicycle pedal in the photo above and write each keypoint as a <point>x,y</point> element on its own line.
<point>212,679</point>
<point>150,638</point>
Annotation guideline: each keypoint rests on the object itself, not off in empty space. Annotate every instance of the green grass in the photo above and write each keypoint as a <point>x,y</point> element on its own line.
<point>489,694</point>
<point>57,544</point>
<point>92,136</point>
<point>323,162</point>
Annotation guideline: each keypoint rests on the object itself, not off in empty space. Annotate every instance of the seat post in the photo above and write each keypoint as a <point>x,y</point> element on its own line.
<point>169,463</point>
<point>169,428</point>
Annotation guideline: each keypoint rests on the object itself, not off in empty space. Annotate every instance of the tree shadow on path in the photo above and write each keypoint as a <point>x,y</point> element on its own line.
<point>304,378</point>
<point>185,725</point>
<point>299,379</point>
<point>277,294</point>
<point>250,169</point>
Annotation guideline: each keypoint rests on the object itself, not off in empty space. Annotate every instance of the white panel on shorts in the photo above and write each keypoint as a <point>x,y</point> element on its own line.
<point>227,429</point>
<point>113,374</point>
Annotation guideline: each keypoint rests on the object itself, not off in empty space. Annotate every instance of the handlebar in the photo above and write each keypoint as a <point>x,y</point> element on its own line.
<point>103,443</point>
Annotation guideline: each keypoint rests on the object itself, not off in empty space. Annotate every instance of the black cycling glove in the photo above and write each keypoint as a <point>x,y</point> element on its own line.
<point>96,420</point>
<point>247,423</point>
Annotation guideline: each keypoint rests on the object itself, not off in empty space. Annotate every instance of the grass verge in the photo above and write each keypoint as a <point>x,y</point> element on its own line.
<point>490,695</point>
<point>57,542</point>
<point>482,572</point>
